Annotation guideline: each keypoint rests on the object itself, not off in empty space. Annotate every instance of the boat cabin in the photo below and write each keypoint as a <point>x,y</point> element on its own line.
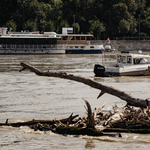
<point>69,38</point>
<point>132,59</point>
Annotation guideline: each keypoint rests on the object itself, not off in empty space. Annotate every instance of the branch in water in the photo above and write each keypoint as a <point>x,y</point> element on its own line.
<point>105,89</point>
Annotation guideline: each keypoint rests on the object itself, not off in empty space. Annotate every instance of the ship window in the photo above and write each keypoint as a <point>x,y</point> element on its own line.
<point>54,41</point>
<point>91,46</point>
<point>140,61</point>
<point>82,38</point>
<point>65,38</point>
<point>128,59</point>
<point>76,46</point>
<point>121,59</point>
<point>73,38</point>
<point>36,41</point>
<point>70,38</point>
<point>82,46</point>
<point>143,61</point>
<point>28,41</point>
<point>24,41</point>
<point>136,61</point>
<point>77,38</point>
<point>13,41</point>
<point>8,41</point>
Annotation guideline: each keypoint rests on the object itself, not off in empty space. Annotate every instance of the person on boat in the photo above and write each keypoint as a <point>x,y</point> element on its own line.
<point>129,60</point>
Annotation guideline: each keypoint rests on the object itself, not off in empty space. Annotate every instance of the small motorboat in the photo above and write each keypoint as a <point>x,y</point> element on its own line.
<point>126,64</point>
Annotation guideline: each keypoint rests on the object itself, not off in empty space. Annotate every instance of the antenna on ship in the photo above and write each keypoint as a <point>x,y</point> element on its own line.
<point>106,47</point>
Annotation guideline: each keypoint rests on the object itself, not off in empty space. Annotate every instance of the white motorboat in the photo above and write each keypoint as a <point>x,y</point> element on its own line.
<point>126,64</point>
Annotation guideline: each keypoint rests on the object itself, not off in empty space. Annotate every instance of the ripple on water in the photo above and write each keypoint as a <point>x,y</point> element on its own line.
<point>25,96</point>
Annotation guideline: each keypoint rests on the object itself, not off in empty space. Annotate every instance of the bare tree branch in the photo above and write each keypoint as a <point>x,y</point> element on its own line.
<point>105,89</point>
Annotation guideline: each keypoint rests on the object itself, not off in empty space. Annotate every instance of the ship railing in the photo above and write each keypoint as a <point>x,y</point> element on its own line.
<point>32,46</point>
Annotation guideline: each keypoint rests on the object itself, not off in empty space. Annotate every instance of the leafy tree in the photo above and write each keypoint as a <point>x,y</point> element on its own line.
<point>36,11</point>
<point>63,23</point>
<point>124,26</point>
<point>96,27</point>
<point>83,10</point>
<point>117,11</point>
<point>7,9</point>
<point>133,26</point>
<point>55,13</point>
<point>30,25</point>
<point>145,22</point>
<point>11,25</point>
<point>148,3</point>
<point>49,26</point>
<point>48,15</point>
<point>76,27</point>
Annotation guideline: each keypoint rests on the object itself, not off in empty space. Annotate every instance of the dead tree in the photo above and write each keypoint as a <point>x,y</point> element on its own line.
<point>104,89</point>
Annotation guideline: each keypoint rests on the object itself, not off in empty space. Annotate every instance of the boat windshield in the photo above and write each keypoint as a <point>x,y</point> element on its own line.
<point>121,59</point>
<point>129,59</point>
<point>145,60</point>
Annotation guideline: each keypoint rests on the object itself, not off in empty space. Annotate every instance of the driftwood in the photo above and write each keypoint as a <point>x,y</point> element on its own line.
<point>84,131</point>
<point>90,119</point>
<point>33,122</point>
<point>129,120</point>
<point>67,127</point>
<point>104,89</point>
<point>73,125</point>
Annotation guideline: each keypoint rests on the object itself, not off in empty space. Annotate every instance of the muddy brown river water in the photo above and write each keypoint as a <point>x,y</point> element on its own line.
<point>25,96</point>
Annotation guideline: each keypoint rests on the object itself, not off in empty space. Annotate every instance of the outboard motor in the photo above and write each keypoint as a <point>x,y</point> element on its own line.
<point>99,70</point>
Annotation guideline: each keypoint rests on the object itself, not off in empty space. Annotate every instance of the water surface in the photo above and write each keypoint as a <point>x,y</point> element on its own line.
<point>25,96</point>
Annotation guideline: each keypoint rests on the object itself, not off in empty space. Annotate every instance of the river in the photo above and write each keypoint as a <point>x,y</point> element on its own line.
<point>25,96</point>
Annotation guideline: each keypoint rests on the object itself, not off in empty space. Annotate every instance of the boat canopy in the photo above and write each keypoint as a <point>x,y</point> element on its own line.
<point>139,56</point>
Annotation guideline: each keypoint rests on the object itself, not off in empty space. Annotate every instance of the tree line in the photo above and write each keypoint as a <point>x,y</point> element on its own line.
<point>103,18</point>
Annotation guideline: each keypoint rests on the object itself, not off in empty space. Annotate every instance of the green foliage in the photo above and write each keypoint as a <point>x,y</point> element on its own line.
<point>76,27</point>
<point>117,13</point>
<point>49,27</point>
<point>11,25</point>
<point>142,34</point>
<point>96,27</point>
<point>124,26</point>
<point>63,23</point>
<point>7,9</point>
<point>30,25</point>
<point>102,17</point>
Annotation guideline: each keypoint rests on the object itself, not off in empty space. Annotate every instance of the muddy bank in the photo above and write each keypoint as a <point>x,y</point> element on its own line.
<point>127,44</point>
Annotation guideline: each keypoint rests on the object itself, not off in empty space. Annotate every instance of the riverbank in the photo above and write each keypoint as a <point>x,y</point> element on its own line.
<point>129,45</point>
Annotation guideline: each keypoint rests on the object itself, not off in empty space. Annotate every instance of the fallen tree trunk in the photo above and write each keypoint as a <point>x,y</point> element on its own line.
<point>84,131</point>
<point>121,130</point>
<point>104,89</point>
<point>32,122</point>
